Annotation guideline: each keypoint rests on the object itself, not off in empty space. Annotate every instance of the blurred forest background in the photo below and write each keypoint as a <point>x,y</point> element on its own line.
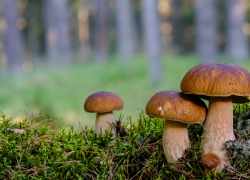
<point>54,53</point>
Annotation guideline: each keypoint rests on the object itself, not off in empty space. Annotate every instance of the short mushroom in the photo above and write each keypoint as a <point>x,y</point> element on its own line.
<point>222,85</point>
<point>103,104</point>
<point>178,110</point>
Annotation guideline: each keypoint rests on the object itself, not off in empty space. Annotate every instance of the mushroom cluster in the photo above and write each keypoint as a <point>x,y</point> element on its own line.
<point>220,84</point>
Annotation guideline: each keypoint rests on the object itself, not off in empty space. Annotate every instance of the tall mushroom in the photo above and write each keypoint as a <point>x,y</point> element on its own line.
<point>103,104</point>
<point>222,85</point>
<point>178,110</point>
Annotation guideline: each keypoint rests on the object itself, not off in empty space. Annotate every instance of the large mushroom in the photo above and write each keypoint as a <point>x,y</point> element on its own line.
<point>222,85</point>
<point>103,104</point>
<point>178,110</point>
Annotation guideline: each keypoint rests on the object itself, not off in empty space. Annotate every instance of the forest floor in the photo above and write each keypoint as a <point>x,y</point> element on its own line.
<point>61,92</point>
<point>34,149</point>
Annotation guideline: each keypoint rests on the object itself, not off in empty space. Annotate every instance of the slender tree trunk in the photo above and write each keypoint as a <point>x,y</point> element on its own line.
<point>58,31</point>
<point>125,27</point>
<point>177,25</point>
<point>237,40</point>
<point>152,38</point>
<point>206,30</point>
<point>83,29</point>
<point>35,32</point>
<point>101,30</point>
<point>12,37</point>
<point>1,34</point>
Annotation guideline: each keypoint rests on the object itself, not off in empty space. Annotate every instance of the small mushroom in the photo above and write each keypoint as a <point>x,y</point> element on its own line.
<point>222,85</point>
<point>178,110</point>
<point>103,104</point>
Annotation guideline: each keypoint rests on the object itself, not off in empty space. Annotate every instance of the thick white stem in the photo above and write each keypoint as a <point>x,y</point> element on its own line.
<point>104,122</point>
<point>175,140</point>
<point>218,129</point>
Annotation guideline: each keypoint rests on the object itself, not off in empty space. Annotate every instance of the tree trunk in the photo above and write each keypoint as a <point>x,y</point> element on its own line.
<point>177,25</point>
<point>58,31</point>
<point>101,30</point>
<point>83,29</point>
<point>125,29</point>
<point>12,37</point>
<point>1,35</point>
<point>206,30</point>
<point>237,40</point>
<point>35,30</point>
<point>152,38</point>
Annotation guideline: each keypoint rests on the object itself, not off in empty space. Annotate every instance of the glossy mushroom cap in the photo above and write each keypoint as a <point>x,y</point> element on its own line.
<point>175,106</point>
<point>103,102</point>
<point>218,80</point>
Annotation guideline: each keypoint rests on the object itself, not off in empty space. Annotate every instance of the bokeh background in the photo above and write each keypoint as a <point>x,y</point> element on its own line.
<point>54,53</point>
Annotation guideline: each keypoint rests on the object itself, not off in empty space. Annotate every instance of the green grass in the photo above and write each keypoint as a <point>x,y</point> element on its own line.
<point>61,93</point>
<point>42,152</point>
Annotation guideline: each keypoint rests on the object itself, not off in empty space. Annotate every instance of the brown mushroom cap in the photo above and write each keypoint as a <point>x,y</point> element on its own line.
<point>103,102</point>
<point>176,106</point>
<point>218,80</point>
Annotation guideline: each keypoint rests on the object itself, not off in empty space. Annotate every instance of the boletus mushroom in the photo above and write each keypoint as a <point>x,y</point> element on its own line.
<point>103,104</point>
<point>222,85</point>
<point>178,110</point>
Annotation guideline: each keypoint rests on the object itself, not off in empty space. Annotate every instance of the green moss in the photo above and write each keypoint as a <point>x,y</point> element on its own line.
<point>42,152</point>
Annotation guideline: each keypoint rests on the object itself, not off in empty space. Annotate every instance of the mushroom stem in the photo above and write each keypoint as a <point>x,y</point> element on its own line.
<point>218,129</point>
<point>104,122</point>
<point>175,140</point>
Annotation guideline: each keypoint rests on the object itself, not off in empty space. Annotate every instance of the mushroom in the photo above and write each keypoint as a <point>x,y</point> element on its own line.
<point>103,104</point>
<point>222,85</point>
<point>178,110</point>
